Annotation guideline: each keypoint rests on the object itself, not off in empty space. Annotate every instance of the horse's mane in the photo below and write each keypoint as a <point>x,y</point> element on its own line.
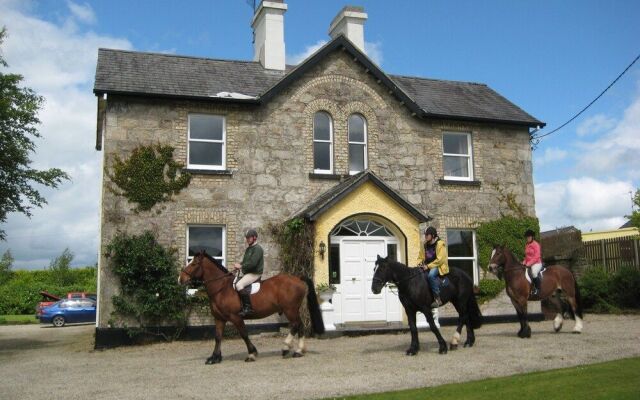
<point>515,259</point>
<point>215,262</point>
<point>396,264</point>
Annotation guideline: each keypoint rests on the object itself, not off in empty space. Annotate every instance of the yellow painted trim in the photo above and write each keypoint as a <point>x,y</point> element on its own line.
<point>599,235</point>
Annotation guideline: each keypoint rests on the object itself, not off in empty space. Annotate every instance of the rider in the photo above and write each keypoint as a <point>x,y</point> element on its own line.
<point>533,259</point>
<point>435,261</point>
<point>251,266</point>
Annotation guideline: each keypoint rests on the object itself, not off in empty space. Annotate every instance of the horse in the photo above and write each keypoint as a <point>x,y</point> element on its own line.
<point>556,279</point>
<point>415,295</point>
<point>282,293</point>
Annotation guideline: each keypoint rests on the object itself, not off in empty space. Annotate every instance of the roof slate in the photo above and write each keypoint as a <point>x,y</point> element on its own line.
<point>166,75</point>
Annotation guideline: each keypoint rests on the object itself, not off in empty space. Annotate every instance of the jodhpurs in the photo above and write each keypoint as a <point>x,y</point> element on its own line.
<point>535,269</point>
<point>433,281</point>
<point>246,280</point>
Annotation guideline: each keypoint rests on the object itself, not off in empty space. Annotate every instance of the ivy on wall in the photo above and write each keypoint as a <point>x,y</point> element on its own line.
<point>149,176</point>
<point>149,291</point>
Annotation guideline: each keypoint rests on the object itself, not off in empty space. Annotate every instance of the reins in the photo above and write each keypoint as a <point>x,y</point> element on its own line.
<point>413,275</point>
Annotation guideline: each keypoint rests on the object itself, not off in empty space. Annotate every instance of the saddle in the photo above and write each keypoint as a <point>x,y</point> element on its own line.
<point>443,281</point>
<point>255,286</point>
<point>527,274</point>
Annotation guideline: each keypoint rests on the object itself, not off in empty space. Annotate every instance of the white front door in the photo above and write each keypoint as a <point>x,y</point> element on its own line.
<point>357,260</point>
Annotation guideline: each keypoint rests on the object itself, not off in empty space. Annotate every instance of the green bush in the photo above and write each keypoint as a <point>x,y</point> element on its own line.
<point>507,231</point>
<point>595,289</point>
<point>625,287</point>
<point>489,289</point>
<point>150,293</point>
<point>21,293</point>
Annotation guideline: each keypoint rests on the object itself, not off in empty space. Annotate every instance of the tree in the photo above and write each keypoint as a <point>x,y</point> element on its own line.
<point>18,126</point>
<point>62,262</point>
<point>6,262</point>
<point>635,215</point>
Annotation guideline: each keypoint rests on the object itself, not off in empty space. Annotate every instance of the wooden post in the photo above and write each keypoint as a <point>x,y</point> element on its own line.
<point>604,258</point>
<point>635,251</point>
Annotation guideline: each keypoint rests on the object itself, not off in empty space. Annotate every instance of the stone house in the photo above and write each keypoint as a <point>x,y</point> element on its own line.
<point>368,157</point>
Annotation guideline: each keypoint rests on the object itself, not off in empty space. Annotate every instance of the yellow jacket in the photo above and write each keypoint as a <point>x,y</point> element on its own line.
<point>442,259</point>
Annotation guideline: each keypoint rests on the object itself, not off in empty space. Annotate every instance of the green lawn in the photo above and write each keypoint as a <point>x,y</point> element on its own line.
<point>610,380</point>
<point>18,319</point>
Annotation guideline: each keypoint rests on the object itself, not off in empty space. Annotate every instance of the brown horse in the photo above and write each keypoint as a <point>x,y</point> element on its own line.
<point>282,294</point>
<point>556,279</point>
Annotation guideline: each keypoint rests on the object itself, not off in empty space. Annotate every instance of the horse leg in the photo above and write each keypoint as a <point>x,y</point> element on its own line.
<point>216,356</point>
<point>293,315</point>
<point>432,324</point>
<point>456,336</point>
<point>521,310</point>
<point>251,349</point>
<point>288,343</point>
<point>558,320</point>
<point>577,328</point>
<point>415,344</point>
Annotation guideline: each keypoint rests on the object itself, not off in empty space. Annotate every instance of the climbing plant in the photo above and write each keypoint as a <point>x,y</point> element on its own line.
<point>149,176</point>
<point>149,289</point>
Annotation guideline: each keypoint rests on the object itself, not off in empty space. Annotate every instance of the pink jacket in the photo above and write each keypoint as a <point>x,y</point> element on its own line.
<point>532,254</point>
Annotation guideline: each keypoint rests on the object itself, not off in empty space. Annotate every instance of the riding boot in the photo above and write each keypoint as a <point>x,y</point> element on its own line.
<point>436,302</point>
<point>536,285</point>
<point>245,296</point>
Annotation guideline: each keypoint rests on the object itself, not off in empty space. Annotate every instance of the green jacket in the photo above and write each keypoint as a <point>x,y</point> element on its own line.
<point>253,260</point>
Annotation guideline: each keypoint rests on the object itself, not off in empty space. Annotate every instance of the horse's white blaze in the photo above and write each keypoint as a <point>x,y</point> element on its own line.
<point>578,326</point>
<point>557,321</point>
<point>301,346</point>
<point>493,253</point>
<point>287,342</point>
<point>456,338</point>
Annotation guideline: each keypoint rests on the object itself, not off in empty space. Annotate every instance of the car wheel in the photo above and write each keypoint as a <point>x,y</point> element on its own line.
<point>58,321</point>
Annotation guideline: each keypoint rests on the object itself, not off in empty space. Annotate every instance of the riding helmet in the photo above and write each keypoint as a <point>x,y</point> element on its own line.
<point>431,231</point>
<point>251,233</point>
<point>529,232</point>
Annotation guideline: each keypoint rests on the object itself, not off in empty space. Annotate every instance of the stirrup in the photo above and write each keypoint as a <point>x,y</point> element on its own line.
<point>436,302</point>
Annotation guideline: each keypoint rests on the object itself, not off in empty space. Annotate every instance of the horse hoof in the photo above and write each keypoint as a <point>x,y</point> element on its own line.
<point>297,355</point>
<point>213,360</point>
<point>443,350</point>
<point>576,332</point>
<point>251,358</point>
<point>468,344</point>
<point>285,353</point>
<point>411,352</point>
<point>454,346</point>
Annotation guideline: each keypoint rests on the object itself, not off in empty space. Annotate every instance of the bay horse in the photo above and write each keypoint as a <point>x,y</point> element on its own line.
<point>282,293</point>
<point>556,279</point>
<point>415,295</point>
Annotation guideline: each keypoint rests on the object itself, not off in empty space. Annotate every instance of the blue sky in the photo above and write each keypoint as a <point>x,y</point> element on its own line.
<point>550,58</point>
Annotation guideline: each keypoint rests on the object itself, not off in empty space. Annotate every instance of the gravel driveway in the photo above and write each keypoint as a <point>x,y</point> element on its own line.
<point>38,362</point>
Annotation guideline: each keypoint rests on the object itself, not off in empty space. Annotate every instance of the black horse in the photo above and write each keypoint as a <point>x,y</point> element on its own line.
<point>415,295</point>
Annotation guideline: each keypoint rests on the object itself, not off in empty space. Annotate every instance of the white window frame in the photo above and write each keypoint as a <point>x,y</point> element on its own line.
<point>224,241</point>
<point>223,141</point>
<point>468,156</point>
<point>365,147</point>
<point>475,276</point>
<point>330,141</point>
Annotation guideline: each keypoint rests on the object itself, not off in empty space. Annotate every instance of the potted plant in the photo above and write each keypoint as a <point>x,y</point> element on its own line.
<point>325,291</point>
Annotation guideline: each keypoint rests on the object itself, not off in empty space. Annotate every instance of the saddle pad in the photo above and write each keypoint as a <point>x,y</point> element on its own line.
<point>526,275</point>
<point>255,287</point>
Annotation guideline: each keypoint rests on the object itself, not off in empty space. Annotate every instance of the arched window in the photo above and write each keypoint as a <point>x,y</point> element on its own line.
<point>322,143</point>
<point>357,143</point>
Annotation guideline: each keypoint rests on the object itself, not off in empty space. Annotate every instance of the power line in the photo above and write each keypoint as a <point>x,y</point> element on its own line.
<point>536,138</point>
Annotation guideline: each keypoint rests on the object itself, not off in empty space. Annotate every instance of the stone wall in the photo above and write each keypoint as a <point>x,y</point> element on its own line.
<point>269,156</point>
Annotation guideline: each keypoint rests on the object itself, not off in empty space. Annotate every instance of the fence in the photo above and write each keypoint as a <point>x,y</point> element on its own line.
<point>614,253</point>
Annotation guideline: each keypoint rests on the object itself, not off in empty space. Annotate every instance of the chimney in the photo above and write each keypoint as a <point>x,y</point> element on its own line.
<point>350,23</point>
<point>268,34</point>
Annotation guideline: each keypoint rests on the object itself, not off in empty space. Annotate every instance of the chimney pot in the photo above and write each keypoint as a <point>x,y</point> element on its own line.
<point>268,34</point>
<point>350,23</point>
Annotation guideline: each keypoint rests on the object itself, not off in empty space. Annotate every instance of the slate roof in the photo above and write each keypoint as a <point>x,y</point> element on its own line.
<point>332,196</point>
<point>164,75</point>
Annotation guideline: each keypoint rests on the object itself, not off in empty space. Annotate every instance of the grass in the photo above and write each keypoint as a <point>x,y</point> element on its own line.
<point>618,380</point>
<point>18,319</point>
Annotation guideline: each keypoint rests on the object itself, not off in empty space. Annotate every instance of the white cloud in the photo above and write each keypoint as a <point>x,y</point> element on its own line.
<point>373,50</point>
<point>550,155</point>
<point>58,61</point>
<point>596,124</point>
<point>82,12</point>
<point>296,59</point>
<point>615,151</point>
<point>587,203</point>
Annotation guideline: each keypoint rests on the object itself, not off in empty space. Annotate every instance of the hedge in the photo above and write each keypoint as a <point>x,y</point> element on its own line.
<point>605,292</point>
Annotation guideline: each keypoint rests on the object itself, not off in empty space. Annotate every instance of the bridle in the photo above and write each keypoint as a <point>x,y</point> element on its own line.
<point>395,282</point>
<point>199,265</point>
<point>518,266</point>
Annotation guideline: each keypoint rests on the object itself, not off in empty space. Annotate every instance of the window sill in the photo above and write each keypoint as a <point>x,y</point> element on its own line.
<point>194,171</point>
<point>451,182</point>
<point>328,177</point>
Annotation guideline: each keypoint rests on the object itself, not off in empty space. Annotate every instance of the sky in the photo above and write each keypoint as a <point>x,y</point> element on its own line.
<point>551,58</point>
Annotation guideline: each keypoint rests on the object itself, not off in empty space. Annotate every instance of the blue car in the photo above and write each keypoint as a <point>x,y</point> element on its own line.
<point>69,311</point>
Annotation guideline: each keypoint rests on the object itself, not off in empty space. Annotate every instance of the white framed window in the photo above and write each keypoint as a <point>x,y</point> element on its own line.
<point>457,156</point>
<point>462,253</point>
<point>207,142</point>
<point>211,238</point>
<point>322,143</point>
<point>357,126</point>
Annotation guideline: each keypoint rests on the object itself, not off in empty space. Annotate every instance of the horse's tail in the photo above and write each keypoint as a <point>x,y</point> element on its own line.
<point>475,316</point>
<point>578,297</point>
<point>314,308</point>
